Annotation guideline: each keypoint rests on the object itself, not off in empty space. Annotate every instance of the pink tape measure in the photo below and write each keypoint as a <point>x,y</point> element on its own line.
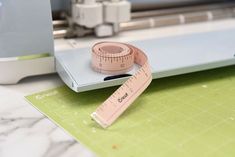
<point>118,58</point>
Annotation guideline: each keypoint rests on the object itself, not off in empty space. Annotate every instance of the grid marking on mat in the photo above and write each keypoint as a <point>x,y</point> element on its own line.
<point>188,115</point>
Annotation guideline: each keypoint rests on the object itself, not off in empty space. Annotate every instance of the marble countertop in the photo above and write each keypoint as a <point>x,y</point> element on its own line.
<point>25,132</point>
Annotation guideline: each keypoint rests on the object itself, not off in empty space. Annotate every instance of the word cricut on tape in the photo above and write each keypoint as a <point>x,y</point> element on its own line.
<point>118,58</point>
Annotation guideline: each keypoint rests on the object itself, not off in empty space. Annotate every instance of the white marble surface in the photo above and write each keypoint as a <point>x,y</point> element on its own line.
<point>25,132</point>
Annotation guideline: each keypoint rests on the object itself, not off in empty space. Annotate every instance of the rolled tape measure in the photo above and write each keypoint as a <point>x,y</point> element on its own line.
<point>118,58</point>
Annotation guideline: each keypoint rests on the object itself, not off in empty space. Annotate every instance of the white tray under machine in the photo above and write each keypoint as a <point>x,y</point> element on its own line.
<point>168,56</point>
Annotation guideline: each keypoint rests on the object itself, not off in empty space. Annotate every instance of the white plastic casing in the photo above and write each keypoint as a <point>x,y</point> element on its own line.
<point>26,30</point>
<point>88,15</point>
<point>13,71</point>
<point>116,12</point>
<point>104,30</point>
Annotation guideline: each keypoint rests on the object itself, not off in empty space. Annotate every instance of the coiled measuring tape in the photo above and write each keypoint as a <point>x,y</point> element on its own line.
<point>117,58</point>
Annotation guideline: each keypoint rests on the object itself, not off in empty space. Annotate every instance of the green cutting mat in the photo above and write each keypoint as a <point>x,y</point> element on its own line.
<point>191,115</point>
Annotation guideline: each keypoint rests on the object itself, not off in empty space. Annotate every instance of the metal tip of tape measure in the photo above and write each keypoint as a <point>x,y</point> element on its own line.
<point>96,117</point>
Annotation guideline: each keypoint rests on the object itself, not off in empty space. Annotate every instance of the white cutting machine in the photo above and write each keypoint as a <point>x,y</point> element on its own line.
<point>178,47</point>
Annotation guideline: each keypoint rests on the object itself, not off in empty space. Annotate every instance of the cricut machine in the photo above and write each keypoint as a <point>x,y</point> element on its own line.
<point>39,37</point>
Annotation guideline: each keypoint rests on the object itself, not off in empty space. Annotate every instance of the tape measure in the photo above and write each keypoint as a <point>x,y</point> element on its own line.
<point>118,58</point>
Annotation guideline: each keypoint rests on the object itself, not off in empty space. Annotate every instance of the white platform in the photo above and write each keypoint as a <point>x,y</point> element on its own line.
<point>168,56</point>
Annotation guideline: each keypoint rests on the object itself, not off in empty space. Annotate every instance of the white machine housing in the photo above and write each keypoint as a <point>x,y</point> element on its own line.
<point>26,34</point>
<point>25,30</point>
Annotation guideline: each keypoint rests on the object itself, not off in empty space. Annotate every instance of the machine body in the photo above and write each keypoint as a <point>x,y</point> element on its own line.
<point>27,29</point>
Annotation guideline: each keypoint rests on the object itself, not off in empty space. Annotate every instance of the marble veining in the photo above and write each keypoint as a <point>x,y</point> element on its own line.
<point>25,132</point>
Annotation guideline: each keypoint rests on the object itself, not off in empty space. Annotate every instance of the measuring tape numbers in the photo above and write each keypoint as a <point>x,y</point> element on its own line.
<point>118,58</point>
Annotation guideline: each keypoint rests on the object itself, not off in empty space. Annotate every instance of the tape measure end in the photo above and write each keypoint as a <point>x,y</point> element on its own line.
<point>97,118</point>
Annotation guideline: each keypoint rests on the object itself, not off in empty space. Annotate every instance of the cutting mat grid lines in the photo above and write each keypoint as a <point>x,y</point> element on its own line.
<point>188,115</point>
